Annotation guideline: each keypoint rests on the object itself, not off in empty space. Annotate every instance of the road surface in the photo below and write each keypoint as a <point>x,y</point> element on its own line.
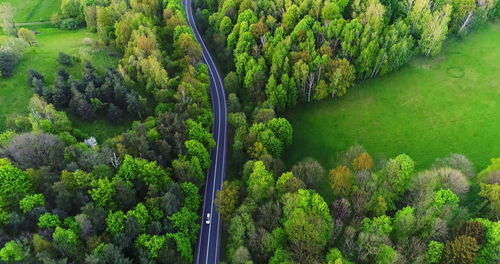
<point>207,251</point>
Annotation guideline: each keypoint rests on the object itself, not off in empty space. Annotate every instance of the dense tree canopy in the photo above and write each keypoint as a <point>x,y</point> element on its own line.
<point>134,198</point>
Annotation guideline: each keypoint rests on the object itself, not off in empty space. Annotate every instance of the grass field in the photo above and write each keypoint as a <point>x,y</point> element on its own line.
<point>15,93</point>
<point>33,10</point>
<point>428,109</point>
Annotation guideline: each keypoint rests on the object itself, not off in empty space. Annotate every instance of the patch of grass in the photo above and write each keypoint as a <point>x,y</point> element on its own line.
<point>100,128</point>
<point>15,92</point>
<point>33,10</point>
<point>428,109</point>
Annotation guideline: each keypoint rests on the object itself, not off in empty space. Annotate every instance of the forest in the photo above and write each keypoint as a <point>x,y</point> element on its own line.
<point>67,197</point>
<point>133,198</point>
<point>278,54</point>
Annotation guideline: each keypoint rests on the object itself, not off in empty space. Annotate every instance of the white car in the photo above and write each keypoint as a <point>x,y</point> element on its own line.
<point>207,219</point>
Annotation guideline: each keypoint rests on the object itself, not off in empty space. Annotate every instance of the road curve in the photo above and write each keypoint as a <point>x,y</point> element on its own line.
<point>207,251</point>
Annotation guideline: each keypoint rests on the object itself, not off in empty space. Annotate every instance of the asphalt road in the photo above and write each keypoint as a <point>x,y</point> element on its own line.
<point>209,237</point>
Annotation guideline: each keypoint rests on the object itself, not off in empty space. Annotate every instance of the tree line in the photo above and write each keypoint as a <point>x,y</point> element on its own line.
<point>134,198</point>
<point>380,211</point>
<point>286,52</point>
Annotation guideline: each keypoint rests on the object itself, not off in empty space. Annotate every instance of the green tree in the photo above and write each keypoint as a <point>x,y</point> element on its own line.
<point>404,223</point>
<point>115,222</point>
<point>227,199</point>
<point>13,184</point>
<point>152,243</point>
<point>291,17</point>
<point>29,202</point>
<point>260,182</point>
<point>197,132</point>
<point>386,255</point>
<point>12,252</point>
<point>196,149</point>
<point>70,8</point>
<point>307,223</point>
<point>434,252</point>
<point>48,220</point>
<point>27,35</point>
<point>102,192</point>
<point>66,241</point>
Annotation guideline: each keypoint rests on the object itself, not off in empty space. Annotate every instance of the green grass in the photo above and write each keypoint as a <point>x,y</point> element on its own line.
<point>15,92</point>
<point>427,109</point>
<point>34,10</point>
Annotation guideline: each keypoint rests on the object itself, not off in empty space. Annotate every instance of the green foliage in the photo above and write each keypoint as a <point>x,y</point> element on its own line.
<point>66,241</point>
<point>274,135</point>
<point>489,251</point>
<point>227,199</point>
<point>141,213</point>
<point>152,243</point>
<point>13,184</point>
<point>197,132</point>
<point>4,217</point>
<point>192,199</point>
<point>48,220</point>
<point>29,202</point>
<point>334,256</point>
<point>196,149</point>
<point>260,182</point>
<point>115,222</point>
<point>434,252</point>
<point>404,222</point>
<point>307,221</point>
<point>281,257</point>
<point>379,225</point>
<point>12,251</point>
<point>102,192</point>
<point>386,255</point>
<point>444,197</point>
<point>149,172</point>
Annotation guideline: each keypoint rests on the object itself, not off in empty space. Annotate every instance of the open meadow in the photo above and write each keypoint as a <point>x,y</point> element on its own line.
<point>33,10</point>
<point>428,109</point>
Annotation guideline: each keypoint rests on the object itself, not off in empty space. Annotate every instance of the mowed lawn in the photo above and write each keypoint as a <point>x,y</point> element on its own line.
<point>15,92</point>
<point>428,109</point>
<point>33,10</point>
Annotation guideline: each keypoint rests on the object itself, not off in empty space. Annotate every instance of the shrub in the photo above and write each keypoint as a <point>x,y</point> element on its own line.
<point>64,59</point>
<point>33,74</point>
<point>70,23</point>
<point>8,61</point>
<point>27,35</point>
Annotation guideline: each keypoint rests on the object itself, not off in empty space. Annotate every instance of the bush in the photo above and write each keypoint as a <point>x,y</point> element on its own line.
<point>69,23</point>
<point>64,59</point>
<point>27,35</point>
<point>8,61</point>
<point>32,74</point>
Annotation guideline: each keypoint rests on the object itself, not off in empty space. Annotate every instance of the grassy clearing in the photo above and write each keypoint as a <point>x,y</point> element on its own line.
<point>15,92</point>
<point>33,10</point>
<point>428,109</point>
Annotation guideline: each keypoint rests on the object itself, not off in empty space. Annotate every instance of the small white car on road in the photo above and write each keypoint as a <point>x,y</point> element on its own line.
<point>207,219</point>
